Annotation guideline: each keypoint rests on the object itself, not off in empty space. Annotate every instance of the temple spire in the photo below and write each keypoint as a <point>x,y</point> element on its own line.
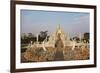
<point>58,27</point>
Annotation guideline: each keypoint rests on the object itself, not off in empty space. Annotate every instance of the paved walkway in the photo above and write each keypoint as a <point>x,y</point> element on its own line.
<point>58,56</point>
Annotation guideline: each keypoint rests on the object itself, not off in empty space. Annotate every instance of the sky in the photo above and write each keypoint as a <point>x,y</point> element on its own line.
<point>73,23</point>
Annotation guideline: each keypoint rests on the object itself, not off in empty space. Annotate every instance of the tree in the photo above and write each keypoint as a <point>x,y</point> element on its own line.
<point>30,35</point>
<point>76,39</point>
<point>86,37</point>
<point>42,35</point>
<point>23,38</point>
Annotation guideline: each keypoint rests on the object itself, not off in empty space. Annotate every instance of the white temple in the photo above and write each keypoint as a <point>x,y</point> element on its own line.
<point>54,37</point>
<point>58,47</point>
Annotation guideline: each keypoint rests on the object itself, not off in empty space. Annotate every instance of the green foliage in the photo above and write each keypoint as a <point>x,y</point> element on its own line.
<point>25,39</point>
<point>86,37</point>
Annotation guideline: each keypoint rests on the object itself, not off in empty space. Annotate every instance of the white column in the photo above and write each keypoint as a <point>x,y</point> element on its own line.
<point>31,44</point>
<point>87,45</point>
<point>43,45</point>
<point>80,37</point>
<point>73,45</point>
<point>37,38</point>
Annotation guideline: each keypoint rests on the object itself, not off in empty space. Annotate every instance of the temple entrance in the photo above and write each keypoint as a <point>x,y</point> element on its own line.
<point>59,49</point>
<point>59,44</point>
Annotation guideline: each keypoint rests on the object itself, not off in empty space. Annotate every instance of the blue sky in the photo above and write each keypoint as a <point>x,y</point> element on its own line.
<point>71,22</point>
